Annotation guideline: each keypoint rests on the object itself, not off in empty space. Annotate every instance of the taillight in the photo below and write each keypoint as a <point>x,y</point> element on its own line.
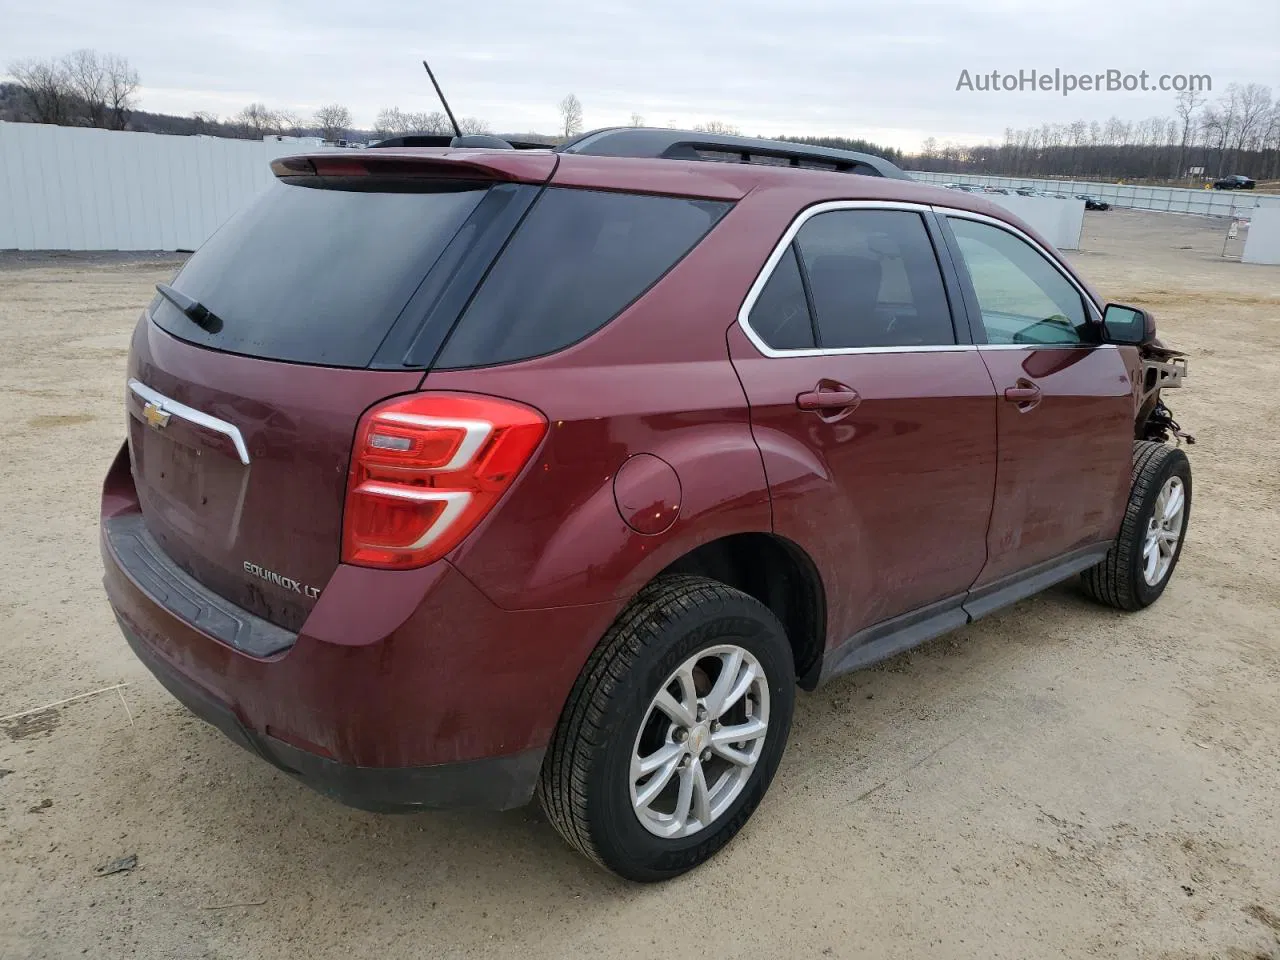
<point>426,468</point>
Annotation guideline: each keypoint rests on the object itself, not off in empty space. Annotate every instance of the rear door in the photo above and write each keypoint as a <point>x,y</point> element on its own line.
<point>876,420</point>
<point>1065,406</point>
<point>241,420</point>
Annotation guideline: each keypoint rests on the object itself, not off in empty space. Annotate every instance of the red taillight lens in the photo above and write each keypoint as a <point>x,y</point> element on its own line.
<point>426,468</point>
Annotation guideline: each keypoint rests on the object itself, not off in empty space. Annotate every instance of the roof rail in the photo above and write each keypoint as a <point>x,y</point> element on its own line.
<point>691,145</point>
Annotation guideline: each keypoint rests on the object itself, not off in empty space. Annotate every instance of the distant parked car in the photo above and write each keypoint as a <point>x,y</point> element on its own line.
<point>1028,192</point>
<point>1093,203</point>
<point>1000,190</point>
<point>1235,182</point>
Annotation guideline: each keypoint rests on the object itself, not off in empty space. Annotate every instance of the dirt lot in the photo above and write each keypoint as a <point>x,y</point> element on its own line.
<point>1057,781</point>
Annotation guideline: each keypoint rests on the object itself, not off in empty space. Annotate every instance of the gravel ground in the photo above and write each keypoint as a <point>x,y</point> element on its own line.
<point>1059,780</point>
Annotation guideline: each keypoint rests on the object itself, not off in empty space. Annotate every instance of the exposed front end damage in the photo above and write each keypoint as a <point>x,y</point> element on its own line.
<point>1162,369</point>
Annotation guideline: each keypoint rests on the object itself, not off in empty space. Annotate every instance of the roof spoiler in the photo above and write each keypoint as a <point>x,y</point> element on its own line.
<point>467,141</point>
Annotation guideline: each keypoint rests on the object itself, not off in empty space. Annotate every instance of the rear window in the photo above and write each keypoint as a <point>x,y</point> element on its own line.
<point>316,276</point>
<point>580,258</point>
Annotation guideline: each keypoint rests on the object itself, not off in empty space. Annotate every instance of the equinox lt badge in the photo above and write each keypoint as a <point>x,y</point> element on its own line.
<point>289,584</point>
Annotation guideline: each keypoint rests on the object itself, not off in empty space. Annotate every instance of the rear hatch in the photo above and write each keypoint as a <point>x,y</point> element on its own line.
<point>249,373</point>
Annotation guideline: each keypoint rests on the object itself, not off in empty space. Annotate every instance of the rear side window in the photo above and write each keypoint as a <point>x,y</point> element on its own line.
<point>579,259</point>
<point>874,280</point>
<point>780,316</point>
<point>316,276</point>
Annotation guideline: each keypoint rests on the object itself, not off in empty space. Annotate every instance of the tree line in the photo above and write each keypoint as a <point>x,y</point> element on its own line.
<point>84,88</point>
<point>1238,132</point>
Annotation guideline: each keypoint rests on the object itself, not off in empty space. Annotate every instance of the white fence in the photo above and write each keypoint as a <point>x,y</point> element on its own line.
<point>1058,221</point>
<point>1209,203</point>
<point>74,188</point>
<point>1263,245</point>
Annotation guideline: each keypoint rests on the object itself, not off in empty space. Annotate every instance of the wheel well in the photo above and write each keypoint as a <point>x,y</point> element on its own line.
<point>781,576</point>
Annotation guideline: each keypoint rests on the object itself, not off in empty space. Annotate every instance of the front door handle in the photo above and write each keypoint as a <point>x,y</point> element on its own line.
<point>1025,394</point>
<point>830,399</point>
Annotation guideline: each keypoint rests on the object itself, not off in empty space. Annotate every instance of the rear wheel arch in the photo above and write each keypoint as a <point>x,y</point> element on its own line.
<point>779,574</point>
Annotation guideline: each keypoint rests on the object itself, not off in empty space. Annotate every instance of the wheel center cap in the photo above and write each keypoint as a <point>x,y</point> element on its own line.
<point>699,737</point>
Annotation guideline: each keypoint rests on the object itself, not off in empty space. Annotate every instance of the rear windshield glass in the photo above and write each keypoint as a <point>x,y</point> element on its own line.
<point>315,276</point>
<point>579,259</point>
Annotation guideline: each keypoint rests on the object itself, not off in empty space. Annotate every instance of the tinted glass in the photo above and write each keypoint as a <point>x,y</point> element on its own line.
<point>780,316</point>
<point>315,276</point>
<point>1023,297</point>
<point>875,280</point>
<point>579,259</point>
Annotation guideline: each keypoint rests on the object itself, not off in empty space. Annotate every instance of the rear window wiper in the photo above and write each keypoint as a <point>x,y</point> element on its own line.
<point>194,310</point>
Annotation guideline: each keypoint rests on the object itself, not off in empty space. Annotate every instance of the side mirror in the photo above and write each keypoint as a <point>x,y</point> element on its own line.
<point>1126,325</point>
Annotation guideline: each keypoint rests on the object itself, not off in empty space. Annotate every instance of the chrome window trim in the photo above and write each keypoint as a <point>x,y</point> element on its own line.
<point>192,415</point>
<point>766,272</point>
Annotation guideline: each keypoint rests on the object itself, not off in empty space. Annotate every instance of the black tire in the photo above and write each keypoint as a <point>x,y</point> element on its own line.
<point>1118,581</point>
<point>584,786</point>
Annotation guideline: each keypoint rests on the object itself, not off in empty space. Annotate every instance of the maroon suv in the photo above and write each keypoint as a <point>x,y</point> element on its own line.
<point>457,474</point>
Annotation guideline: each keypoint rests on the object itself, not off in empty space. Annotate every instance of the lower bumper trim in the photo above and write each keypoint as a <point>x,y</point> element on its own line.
<point>491,783</point>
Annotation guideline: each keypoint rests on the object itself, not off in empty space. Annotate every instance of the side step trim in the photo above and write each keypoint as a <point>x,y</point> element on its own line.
<point>891,637</point>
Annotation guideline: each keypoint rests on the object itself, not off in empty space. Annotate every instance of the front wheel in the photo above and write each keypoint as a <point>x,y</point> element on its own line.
<point>1141,561</point>
<point>673,731</point>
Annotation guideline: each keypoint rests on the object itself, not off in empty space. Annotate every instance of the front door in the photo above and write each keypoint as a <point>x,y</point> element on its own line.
<point>876,422</point>
<point>1065,402</point>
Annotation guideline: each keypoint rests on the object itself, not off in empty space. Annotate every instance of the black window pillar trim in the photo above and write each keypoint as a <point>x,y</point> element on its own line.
<point>957,275</point>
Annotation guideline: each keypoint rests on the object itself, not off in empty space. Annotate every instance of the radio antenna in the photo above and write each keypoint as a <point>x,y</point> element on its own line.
<point>440,93</point>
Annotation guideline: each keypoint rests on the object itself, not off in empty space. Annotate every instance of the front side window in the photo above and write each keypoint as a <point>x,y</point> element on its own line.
<point>1023,298</point>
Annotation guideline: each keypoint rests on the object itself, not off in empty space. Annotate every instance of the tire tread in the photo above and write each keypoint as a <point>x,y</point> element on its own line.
<point>579,736</point>
<point>1110,582</point>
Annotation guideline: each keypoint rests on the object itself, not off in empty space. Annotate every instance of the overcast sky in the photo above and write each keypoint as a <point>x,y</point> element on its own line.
<point>882,70</point>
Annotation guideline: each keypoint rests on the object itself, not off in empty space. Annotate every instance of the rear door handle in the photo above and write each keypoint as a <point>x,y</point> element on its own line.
<point>1025,394</point>
<point>827,399</point>
<point>830,399</point>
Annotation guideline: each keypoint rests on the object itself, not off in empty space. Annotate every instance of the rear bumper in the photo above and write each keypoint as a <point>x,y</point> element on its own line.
<point>496,783</point>
<point>403,689</point>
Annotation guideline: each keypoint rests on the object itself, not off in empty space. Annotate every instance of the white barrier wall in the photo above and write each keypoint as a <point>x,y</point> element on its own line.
<point>1263,243</point>
<point>1058,221</point>
<point>76,188</point>
<point>1209,203</point>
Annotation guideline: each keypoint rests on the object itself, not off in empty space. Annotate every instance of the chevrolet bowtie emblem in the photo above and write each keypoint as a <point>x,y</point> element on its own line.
<point>156,416</point>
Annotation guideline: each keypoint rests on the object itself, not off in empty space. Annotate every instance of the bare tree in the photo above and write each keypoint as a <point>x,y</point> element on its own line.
<point>257,120</point>
<point>334,120</point>
<point>87,77</point>
<point>48,89</point>
<point>204,121</point>
<point>637,120</point>
<point>1186,105</point>
<point>571,114</point>
<point>434,122</point>
<point>718,127</point>
<point>291,122</point>
<point>121,90</point>
<point>473,125</point>
<point>1253,104</point>
<point>389,122</point>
